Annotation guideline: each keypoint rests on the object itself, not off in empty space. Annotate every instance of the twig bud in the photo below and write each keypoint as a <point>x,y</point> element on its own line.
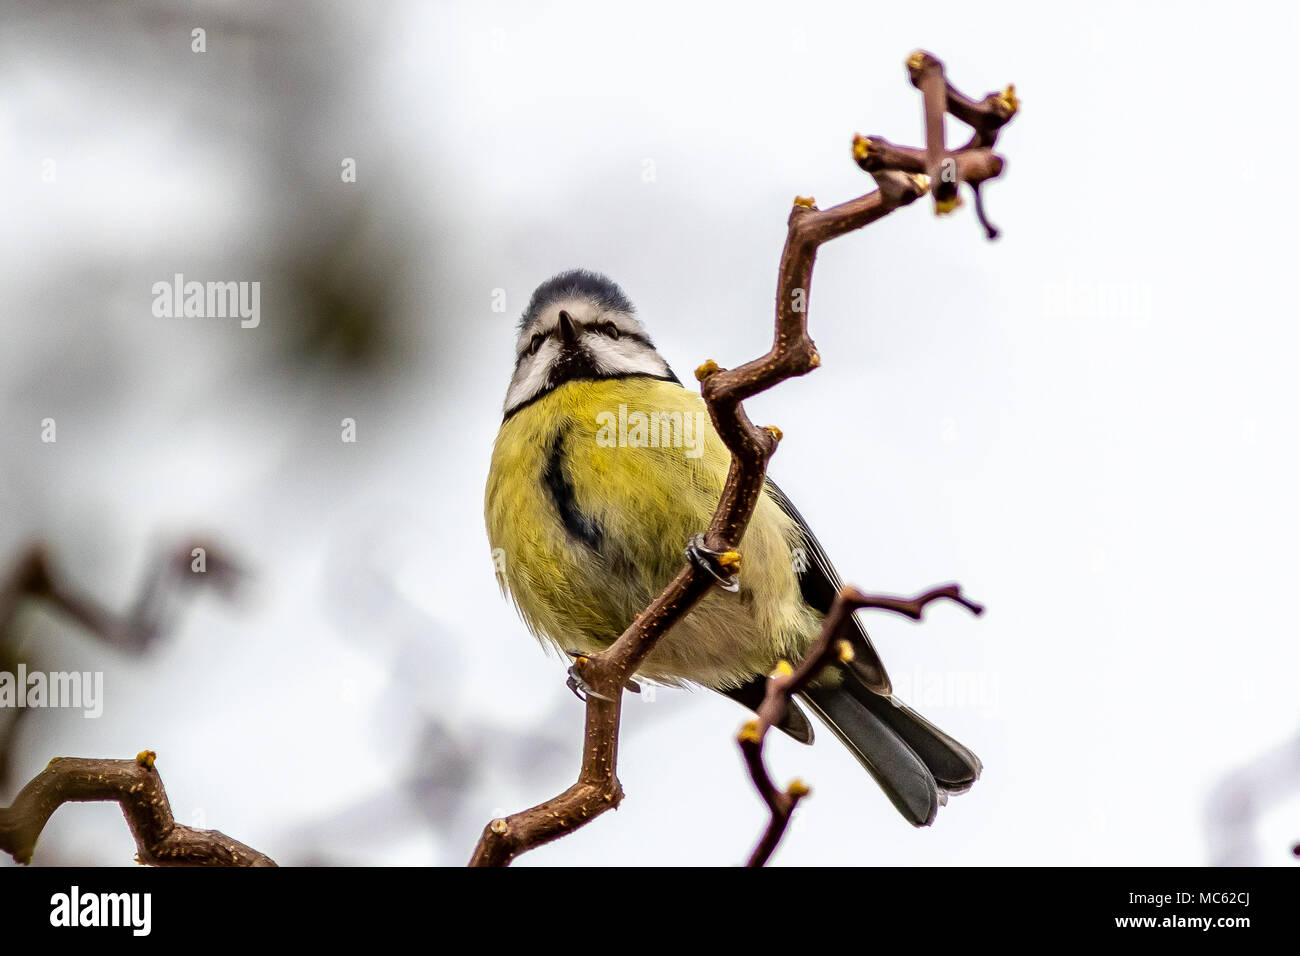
<point>1008,100</point>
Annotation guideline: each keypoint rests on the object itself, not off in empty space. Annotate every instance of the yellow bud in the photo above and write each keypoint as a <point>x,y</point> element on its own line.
<point>729,561</point>
<point>145,758</point>
<point>798,789</point>
<point>805,202</point>
<point>705,370</point>
<point>846,652</point>
<point>944,206</point>
<point>916,60</point>
<point>749,733</point>
<point>499,827</point>
<point>774,432</point>
<point>862,147</point>
<point>1008,100</point>
<point>783,669</point>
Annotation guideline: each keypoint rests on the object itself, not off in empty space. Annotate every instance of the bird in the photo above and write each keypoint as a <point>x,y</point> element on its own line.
<point>604,468</point>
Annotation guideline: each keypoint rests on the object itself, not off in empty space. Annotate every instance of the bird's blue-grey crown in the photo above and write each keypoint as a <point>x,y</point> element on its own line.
<point>579,325</point>
<point>576,283</point>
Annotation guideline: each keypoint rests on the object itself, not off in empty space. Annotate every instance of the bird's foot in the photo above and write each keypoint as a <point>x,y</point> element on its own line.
<point>575,682</point>
<point>581,689</point>
<point>722,566</point>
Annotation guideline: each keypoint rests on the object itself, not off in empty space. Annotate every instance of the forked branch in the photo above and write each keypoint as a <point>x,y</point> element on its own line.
<point>786,681</point>
<point>135,784</point>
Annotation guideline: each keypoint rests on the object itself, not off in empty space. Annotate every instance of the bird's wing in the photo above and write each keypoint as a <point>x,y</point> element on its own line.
<point>820,584</point>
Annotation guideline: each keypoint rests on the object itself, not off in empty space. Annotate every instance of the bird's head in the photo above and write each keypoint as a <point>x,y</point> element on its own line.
<point>579,325</point>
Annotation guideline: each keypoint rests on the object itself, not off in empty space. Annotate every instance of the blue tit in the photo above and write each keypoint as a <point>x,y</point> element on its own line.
<point>604,468</point>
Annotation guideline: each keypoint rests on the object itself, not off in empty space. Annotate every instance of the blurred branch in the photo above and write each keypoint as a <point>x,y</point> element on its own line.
<point>785,682</point>
<point>33,576</point>
<point>1238,801</point>
<point>793,353</point>
<point>134,784</point>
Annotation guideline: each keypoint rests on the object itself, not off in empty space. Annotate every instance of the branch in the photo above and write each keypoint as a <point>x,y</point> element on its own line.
<point>785,682</point>
<point>793,353</point>
<point>32,576</point>
<point>134,784</point>
<point>945,170</point>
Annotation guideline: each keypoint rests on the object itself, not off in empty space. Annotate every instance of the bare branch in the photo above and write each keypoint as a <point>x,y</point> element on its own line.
<point>785,682</point>
<point>135,784</point>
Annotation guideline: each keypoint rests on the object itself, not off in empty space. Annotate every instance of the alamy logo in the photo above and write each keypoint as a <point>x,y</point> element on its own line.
<point>74,908</point>
<point>208,300</point>
<point>652,430</point>
<point>79,689</point>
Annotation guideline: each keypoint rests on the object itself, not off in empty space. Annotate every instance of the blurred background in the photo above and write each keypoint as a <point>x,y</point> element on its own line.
<point>1089,423</point>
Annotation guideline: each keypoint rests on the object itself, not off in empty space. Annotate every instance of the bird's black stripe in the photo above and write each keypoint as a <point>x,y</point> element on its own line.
<point>580,526</point>
<point>590,377</point>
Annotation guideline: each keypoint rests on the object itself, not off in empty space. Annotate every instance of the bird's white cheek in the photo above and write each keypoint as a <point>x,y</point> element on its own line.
<point>626,356</point>
<point>530,377</point>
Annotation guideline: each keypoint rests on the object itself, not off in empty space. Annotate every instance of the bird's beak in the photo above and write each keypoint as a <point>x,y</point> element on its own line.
<point>568,330</point>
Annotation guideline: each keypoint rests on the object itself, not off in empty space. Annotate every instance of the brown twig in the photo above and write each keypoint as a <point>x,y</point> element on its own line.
<point>136,785</point>
<point>946,169</point>
<point>793,353</point>
<point>785,682</point>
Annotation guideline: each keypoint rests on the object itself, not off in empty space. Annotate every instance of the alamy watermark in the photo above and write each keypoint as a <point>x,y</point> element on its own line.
<point>640,429</point>
<point>133,911</point>
<point>208,300</point>
<point>958,690</point>
<point>1082,299</point>
<point>62,689</point>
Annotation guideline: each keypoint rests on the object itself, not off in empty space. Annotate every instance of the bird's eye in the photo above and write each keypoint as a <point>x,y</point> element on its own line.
<point>610,329</point>
<point>536,343</point>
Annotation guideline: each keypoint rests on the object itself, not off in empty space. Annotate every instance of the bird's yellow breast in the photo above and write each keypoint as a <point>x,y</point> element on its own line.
<point>594,491</point>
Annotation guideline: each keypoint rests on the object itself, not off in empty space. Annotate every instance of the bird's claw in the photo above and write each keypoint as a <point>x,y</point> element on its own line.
<point>706,559</point>
<point>581,689</point>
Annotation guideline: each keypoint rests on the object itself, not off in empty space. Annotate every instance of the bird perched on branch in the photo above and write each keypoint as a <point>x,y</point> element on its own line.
<point>604,468</point>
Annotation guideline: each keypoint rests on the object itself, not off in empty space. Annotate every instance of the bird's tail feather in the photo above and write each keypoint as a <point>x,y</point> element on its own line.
<point>915,763</point>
